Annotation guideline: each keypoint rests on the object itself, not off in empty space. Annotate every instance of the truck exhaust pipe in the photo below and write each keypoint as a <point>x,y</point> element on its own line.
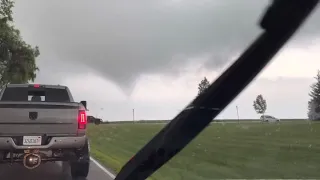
<point>31,160</point>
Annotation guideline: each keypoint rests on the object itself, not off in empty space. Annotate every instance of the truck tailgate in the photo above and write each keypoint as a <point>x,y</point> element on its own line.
<point>36,118</point>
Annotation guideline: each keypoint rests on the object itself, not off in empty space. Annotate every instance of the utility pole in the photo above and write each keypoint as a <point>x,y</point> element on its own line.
<point>237,113</point>
<point>133,115</point>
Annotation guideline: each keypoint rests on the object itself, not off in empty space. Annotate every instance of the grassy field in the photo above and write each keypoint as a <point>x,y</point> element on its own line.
<point>245,150</point>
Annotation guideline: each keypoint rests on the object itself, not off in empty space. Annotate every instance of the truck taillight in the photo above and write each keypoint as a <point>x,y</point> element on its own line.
<point>82,119</point>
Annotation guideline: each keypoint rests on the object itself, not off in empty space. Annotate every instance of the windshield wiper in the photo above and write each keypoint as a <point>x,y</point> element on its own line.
<point>281,20</point>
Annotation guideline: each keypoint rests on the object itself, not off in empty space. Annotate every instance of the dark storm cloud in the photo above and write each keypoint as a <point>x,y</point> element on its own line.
<point>54,71</point>
<point>123,39</point>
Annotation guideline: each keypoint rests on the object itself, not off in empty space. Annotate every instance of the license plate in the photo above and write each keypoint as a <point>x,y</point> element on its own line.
<point>32,140</point>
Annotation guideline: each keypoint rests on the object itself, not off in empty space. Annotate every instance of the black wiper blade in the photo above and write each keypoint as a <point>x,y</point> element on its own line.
<point>280,22</point>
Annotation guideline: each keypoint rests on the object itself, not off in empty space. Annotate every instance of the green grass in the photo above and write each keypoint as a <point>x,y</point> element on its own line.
<point>245,150</point>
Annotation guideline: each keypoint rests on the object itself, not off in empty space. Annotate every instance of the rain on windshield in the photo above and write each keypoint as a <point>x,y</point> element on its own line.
<point>139,63</point>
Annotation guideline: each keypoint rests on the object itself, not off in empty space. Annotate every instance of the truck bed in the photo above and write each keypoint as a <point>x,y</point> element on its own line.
<point>38,118</point>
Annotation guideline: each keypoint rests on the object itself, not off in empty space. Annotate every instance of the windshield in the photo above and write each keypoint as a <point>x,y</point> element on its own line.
<point>175,88</point>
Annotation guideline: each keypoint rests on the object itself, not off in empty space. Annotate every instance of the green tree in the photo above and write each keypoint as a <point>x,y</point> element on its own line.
<point>314,102</point>
<point>260,104</point>
<point>203,85</point>
<point>17,58</point>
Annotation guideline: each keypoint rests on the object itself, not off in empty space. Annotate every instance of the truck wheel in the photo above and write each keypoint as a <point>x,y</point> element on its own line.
<point>80,168</point>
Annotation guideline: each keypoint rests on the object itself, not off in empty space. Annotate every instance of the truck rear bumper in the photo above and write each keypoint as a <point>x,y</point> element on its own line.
<point>7,143</point>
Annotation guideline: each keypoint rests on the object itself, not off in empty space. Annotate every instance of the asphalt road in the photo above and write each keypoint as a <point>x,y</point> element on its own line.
<point>48,171</point>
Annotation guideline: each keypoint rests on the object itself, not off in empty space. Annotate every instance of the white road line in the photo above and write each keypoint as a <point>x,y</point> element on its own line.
<point>99,165</point>
<point>103,168</point>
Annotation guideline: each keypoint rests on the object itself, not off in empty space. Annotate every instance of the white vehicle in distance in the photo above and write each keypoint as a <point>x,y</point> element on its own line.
<point>267,118</point>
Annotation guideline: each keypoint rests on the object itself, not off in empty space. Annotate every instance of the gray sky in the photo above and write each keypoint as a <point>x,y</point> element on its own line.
<point>128,50</point>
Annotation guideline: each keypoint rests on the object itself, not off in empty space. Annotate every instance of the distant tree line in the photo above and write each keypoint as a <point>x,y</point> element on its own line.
<point>260,104</point>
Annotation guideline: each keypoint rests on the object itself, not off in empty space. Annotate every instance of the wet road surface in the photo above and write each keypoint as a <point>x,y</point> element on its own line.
<point>48,171</point>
